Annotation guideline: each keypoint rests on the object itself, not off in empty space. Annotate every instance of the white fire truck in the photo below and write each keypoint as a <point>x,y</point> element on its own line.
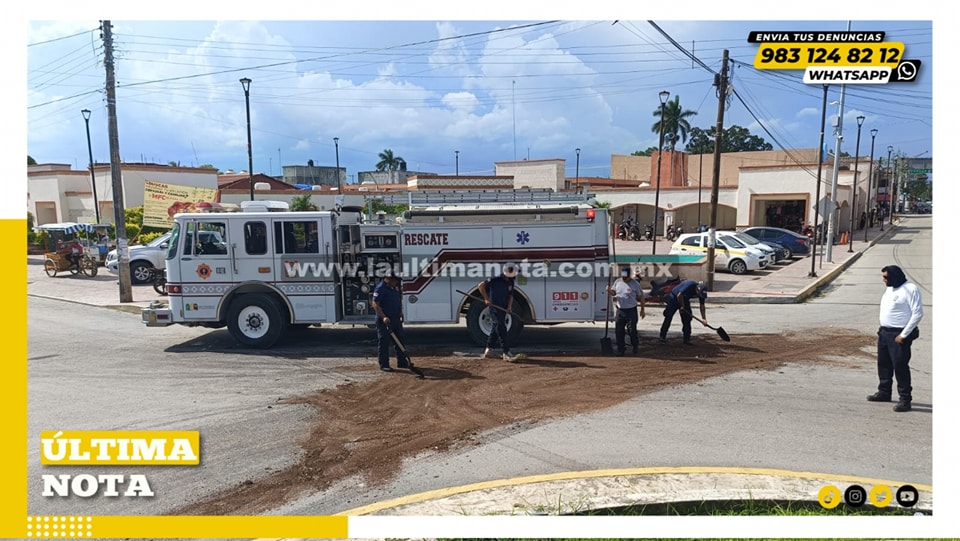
<point>273,270</point>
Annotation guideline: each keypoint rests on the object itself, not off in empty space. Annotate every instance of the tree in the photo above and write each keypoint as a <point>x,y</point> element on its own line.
<point>735,139</point>
<point>918,189</point>
<point>675,124</point>
<point>648,152</point>
<point>30,160</point>
<point>376,204</point>
<point>389,162</point>
<point>302,203</point>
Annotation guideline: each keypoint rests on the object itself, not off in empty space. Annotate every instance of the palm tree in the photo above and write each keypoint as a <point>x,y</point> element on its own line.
<point>389,162</point>
<point>675,122</point>
<point>675,126</point>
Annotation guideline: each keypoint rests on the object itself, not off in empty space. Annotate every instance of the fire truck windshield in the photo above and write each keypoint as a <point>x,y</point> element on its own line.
<point>174,238</point>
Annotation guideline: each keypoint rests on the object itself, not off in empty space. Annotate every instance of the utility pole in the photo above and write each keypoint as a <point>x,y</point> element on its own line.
<point>873,138</point>
<point>700,192</point>
<point>721,83</point>
<point>119,212</point>
<point>832,209</point>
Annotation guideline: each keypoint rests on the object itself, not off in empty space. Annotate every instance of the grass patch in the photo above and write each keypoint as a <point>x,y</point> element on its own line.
<point>746,508</point>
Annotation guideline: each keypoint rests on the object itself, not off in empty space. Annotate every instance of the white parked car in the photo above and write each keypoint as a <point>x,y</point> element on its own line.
<point>729,252</point>
<point>142,259</point>
<point>753,242</point>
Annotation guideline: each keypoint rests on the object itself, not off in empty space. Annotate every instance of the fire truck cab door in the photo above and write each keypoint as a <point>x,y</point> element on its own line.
<point>252,249</point>
<point>206,267</point>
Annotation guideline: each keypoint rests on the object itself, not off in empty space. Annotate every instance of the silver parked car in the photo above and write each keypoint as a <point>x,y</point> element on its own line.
<point>142,259</point>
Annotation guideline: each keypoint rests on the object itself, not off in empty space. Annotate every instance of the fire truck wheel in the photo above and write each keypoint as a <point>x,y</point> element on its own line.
<point>480,324</point>
<point>255,320</point>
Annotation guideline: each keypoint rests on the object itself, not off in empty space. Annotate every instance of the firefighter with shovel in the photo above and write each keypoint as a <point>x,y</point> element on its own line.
<point>679,299</point>
<point>388,303</point>
<point>498,295</point>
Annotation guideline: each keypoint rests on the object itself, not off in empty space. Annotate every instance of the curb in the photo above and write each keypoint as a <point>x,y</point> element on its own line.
<point>583,491</point>
<point>129,308</point>
<point>810,290</point>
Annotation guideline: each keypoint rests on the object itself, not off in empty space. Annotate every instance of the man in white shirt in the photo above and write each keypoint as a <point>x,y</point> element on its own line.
<point>901,309</point>
<point>628,293</point>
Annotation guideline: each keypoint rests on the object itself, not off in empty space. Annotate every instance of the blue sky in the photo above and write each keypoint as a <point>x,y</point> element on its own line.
<point>494,90</point>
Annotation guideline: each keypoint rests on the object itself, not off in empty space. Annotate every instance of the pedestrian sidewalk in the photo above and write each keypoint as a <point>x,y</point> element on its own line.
<point>784,283</point>
<point>100,290</point>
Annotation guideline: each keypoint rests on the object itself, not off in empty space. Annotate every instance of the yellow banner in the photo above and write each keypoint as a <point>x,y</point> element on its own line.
<point>162,201</point>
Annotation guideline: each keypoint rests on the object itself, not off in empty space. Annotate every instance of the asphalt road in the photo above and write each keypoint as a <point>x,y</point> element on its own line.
<point>95,368</point>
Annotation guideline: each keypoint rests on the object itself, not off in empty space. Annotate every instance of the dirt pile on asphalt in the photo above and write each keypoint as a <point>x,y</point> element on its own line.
<point>367,428</point>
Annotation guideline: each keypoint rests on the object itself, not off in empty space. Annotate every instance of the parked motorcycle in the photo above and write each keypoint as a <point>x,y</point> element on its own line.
<point>671,233</point>
<point>648,232</point>
<point>635,232</point>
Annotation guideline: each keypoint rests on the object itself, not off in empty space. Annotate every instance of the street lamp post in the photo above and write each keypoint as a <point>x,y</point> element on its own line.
<point>578,170</point>
<point>93,179</point>
<point>873,137</point>
<point>856,172</point>
<point>664,95</point>
<point>457,152</point>
<point>816,200</point>
<point>246,94</point>
<point>336,149</point>
<point>889,185</point>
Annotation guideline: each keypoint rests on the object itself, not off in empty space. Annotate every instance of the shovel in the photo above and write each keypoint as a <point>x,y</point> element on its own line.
<point>406,356</point>
<point>502,309</point>
<point>606,344</point>
<point>720,332</point>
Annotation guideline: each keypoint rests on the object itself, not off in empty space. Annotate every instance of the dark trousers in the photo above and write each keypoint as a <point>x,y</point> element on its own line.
<point>384,340</point>
<point>499,332</point>
<point>686,316</point>
<point>627,323</point>
<point>893,359</point>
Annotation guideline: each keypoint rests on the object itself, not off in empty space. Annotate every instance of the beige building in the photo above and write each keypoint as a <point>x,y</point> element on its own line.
<point>549,174</point>
<point>57,193</point>
<point>775,188</point>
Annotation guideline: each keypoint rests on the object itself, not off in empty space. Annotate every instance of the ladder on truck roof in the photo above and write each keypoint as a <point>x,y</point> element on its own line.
<point>437,197</point>
<point>543,195</point>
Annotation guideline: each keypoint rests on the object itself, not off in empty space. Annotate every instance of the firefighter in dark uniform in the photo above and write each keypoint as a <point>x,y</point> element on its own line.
<point>679,299</point>
<point>498,295</point>
<point>388,303</point>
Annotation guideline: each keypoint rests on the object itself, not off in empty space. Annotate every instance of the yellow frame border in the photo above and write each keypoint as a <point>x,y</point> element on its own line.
<point>16,522</point>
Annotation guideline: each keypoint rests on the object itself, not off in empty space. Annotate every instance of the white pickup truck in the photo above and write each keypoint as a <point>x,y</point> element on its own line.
<point>151,255</point>
<point>142,258</point>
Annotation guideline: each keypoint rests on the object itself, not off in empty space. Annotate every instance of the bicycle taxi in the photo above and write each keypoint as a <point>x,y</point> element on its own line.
<point>74,247</point>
